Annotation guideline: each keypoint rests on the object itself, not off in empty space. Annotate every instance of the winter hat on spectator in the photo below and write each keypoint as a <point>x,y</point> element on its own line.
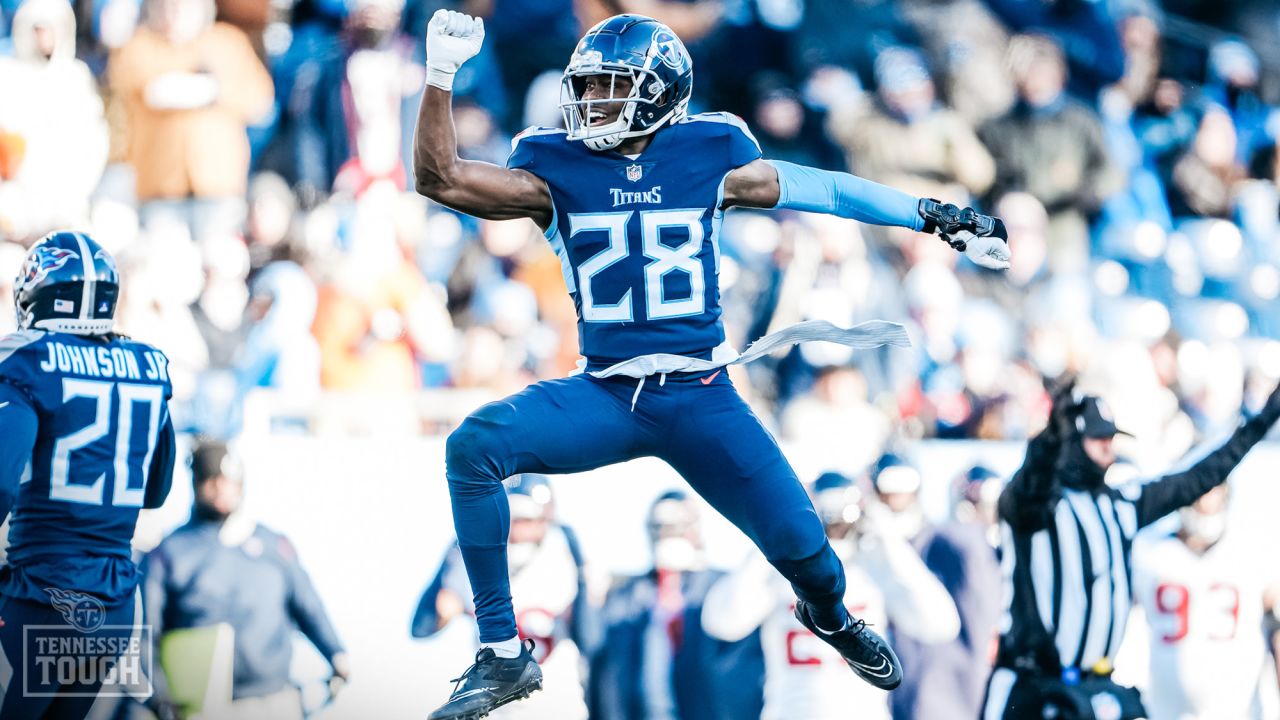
<point>899,69</point>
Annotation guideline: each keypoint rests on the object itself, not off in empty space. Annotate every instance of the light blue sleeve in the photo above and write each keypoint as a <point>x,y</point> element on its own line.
<point>848,196</point>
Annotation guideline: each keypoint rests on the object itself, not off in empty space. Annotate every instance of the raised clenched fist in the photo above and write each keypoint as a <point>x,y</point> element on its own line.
<point>452,39</point>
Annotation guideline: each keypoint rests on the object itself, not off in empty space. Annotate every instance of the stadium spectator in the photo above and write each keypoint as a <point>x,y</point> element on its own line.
<point>790,130</point>
<point>889,583</point>
<point>971,68</point>
<point>270,228</point>
<point>379,73</point>
<point>51,119</point>
<point>218,314</point>
<point>941,677</point>
<point>907,139</point>
<point>1051,146</point>
<point>1233,84</point>
<point>190,88</point>
<point>523,55</point>
<point>164,276</point>
<point>975,496</point>
<point>375,313</point>
<point>837,413</point>
<point>279,351</point>
<point>1207,177</point>
<point>549,589</point>
<point>1083,29</point>
<point>657,660</point>
<point>222,568</point>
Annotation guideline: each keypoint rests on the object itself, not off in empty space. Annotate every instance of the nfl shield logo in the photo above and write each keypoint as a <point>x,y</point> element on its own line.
<point>634,172</point>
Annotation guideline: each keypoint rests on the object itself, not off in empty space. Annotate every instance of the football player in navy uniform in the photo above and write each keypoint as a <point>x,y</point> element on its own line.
<point>87,443</point>
<point>631,197</point>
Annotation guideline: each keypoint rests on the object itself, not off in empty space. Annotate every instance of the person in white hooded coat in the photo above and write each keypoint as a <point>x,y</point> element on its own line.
<point>49,100</point>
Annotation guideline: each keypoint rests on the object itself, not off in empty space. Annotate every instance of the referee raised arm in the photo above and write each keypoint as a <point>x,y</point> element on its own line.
<point>1067,538</point>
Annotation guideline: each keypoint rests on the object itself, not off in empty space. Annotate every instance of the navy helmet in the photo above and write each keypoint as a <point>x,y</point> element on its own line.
<point>68,283</point>
<point>646,52</point>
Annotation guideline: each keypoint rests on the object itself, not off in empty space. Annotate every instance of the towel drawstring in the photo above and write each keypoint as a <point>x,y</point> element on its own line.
<point>662,381</point>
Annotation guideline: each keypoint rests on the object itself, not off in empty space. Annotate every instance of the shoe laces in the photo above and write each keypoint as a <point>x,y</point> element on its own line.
<point>857,626</point>
<point>483,658</point>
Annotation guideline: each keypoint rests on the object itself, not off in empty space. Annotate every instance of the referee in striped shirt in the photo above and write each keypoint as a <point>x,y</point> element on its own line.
<point>1067,538</point>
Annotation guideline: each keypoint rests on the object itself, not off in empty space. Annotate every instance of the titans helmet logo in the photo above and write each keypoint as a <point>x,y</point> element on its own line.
<point>668,48</point>
<point>44,260</point>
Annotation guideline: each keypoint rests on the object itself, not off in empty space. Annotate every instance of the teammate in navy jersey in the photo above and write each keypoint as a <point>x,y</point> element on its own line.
<point>631,196</point>
<point>87,442</point>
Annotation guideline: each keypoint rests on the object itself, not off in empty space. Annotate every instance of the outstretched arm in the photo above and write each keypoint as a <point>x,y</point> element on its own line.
<point>784,185</point>
<point>476,188</point>
<point>1181,489</point>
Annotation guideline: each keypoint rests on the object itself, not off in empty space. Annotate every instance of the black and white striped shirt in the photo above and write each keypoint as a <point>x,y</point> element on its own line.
<point>1066,561</point>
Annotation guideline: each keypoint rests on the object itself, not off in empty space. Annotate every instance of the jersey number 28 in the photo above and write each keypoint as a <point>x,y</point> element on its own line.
<point>665,259</point>
<point>130,469</point>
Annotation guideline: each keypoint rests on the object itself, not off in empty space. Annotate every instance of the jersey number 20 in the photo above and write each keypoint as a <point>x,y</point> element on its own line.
<point>128,492</point>
<point>665,259</point>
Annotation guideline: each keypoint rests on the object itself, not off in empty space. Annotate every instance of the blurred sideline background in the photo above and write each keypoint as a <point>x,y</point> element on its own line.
<point>247,162</point>
<point>371,532</point>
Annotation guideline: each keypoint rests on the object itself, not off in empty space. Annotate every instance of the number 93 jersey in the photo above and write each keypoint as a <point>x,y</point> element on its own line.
<point>101,405</point>
<point>1205,613</point>
<point>637,237</point>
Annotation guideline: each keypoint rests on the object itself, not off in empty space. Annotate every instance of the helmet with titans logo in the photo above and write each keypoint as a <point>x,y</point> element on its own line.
<point>68,283</point>
<point>642,50</point>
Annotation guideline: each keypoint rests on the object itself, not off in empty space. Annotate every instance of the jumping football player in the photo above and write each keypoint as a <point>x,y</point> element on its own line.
<point>631,198</point>
<point>87,442</point>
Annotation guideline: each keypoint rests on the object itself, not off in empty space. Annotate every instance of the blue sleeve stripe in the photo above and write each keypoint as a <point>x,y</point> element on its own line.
<point>848,196</point>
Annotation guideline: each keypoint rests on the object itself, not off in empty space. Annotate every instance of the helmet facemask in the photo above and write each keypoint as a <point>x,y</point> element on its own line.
<point>647,91</point>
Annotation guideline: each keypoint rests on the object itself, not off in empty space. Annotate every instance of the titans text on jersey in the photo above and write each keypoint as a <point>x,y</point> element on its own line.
<point>638,238</point>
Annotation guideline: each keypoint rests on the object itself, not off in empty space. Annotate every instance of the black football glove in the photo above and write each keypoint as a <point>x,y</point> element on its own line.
<point>982,238</point>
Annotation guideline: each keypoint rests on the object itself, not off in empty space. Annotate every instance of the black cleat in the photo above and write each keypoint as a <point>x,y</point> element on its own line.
<point>866,653</point>
<point>490,683</point>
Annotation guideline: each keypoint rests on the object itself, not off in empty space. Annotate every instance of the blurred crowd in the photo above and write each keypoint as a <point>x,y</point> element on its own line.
<point>247,162</point>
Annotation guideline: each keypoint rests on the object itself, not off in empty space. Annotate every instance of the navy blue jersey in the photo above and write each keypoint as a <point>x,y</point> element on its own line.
<point>103,434</point>
<point>637,238</point>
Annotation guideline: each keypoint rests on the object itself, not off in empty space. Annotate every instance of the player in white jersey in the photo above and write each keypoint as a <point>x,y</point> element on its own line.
<point>1204,593</point>
<point>806,679</point>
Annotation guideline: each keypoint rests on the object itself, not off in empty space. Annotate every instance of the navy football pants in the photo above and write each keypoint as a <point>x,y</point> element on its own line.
<point>705,431</point>
<point>29,671</point>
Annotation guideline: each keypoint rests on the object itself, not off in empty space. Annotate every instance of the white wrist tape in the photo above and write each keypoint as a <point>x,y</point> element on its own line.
<point>442,79</point>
